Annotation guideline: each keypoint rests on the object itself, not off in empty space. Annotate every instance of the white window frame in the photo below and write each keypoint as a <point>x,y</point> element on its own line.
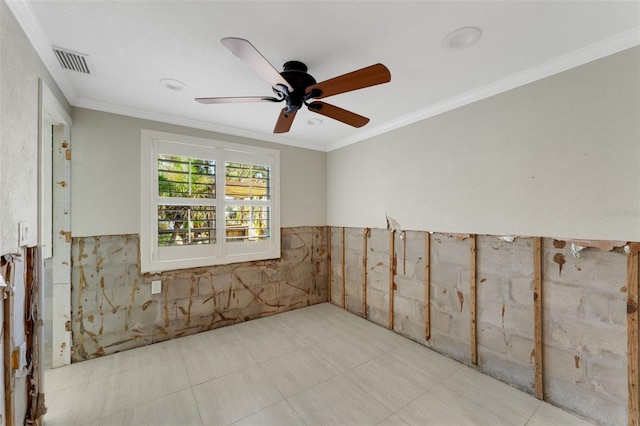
<point>156,259</point>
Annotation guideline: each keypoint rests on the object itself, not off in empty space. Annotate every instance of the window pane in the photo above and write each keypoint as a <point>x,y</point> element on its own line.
<point>186,177</point>
<point>247,181</point>
<point>247,223</point>
<point>186,225</point>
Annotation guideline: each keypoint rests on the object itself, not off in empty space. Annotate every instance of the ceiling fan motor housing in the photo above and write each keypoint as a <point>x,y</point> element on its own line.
<point>295,72</point>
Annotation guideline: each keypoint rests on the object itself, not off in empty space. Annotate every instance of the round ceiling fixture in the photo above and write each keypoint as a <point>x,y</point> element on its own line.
<point>172,84</point>
<point>461,38</point>
<point>314,122</point>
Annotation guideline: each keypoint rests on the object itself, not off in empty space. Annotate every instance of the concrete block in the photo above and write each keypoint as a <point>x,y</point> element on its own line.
<point>609,375</point>
<point>493,338</point>
<point>565,365</point>
<point>522,350</point>
<point>563,298</point>
<point>518,320</point>
<point>521,291</point>
<point>607,307</point>
<point>453,252</point>
<point>587,403</point>
<point>579,333</point>
<point>410,288</point>
<point>446,275</point>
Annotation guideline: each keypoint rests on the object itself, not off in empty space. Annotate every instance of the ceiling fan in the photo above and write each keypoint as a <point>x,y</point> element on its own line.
<point>297,88</point>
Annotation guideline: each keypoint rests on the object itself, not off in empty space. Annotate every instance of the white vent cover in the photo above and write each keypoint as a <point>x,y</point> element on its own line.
<point>73,61</point>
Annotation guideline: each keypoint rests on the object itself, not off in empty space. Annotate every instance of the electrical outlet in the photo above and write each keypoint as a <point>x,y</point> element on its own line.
<point>23,234</point>
<point>156,287</point>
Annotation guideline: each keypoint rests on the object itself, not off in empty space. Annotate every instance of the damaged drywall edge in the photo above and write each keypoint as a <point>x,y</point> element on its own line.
<point>576,249</point>
<point>603,245</point>
<point>394,226</point>
<point>508,238</point>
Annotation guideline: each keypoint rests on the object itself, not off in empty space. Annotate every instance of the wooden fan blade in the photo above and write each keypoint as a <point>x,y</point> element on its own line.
<point>250,56</point>
<point>284,121</point>
<point>337,113</point>
<point>238,99</point>
<point>365,77</point>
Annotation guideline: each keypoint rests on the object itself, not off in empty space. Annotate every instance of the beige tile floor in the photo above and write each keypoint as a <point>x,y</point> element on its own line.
<point>314,366</point>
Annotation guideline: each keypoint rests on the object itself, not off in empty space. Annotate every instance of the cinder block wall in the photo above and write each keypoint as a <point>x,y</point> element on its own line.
<point>584,309</point>
<point>112,308</point>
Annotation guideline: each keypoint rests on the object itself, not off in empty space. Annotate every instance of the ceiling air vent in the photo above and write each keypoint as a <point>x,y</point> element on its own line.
<point>73,61</point>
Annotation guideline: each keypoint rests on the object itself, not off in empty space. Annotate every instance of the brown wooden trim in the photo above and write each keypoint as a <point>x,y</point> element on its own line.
<point>427,286</point>
<point>343,288</point>
<point>392,250</point>
<point>9,397</point>
<point>474,299</point>
<point>365,235</point>
<point>633,360</point>
<point>537,317</point>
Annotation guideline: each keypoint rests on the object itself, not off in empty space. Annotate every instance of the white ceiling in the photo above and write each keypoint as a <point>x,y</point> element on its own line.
<point>134,44</point>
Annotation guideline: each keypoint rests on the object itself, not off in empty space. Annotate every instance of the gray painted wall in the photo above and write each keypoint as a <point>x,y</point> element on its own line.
<point>558,157</point>
<point>105,189</point>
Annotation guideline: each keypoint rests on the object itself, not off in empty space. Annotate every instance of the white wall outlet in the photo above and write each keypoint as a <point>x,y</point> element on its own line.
<point>156,287</point>
<point>23,234</point>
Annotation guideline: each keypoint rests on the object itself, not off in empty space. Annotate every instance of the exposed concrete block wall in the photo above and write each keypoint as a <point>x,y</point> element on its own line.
<point>584,309</point>
<point>113,308</point>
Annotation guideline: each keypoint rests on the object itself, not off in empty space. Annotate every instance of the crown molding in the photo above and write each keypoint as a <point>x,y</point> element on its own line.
<point>187,122</point>
<point>574,59</point>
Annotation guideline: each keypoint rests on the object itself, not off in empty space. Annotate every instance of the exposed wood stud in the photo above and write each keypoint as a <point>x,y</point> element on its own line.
<point>392,250</point>
<point>427,286</point>
<point>474,300</point>
<point>343,288</point>
<point>364,272</point>
<point>329,266</point>
<point>537,314</point>
<point>404,252</point>
<point>633,360</point>
<point>9,394</point>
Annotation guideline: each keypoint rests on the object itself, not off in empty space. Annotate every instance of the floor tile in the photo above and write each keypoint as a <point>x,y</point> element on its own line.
<point>428,362</point>
<point>333,367</point>
<point>235,396</point>
<point>345,353</point>
<point>393,420</point>
<point>145,384</point>
<point>548,415</point>
<point>493,395</point>
<point>272,344</point>
<point>441,406</point>
<point>76,405</point>
<point>279,414</point>
<point>297,371</point>
<point>338,401</point>
<point>391,381</point>
<point>207,340</point>
<point>75,374</point>
<point>217,361</point>
<point>175,409</point>
<point>144,356</point>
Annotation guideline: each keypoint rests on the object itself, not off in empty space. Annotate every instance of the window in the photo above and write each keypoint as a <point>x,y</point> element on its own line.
<point>206,202</point>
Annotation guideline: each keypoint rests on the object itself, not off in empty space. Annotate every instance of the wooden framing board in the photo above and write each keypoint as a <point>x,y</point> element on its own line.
<point>537,317</point>
<point>343,288</point>
<point>9,395</point>
<point>633,367</point>
<point>392,250</point>
<point>365,236</point>
<point>427,286</point>
<point>329,266</point>
<point>474,298</point>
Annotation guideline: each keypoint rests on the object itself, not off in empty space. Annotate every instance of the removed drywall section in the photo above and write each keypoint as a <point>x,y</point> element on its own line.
<point>541,159</point>
<point>584,313</point>
<point>113,308</point>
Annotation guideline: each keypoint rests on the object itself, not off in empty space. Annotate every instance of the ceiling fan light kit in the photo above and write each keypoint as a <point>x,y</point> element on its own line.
<point>296,87</point>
